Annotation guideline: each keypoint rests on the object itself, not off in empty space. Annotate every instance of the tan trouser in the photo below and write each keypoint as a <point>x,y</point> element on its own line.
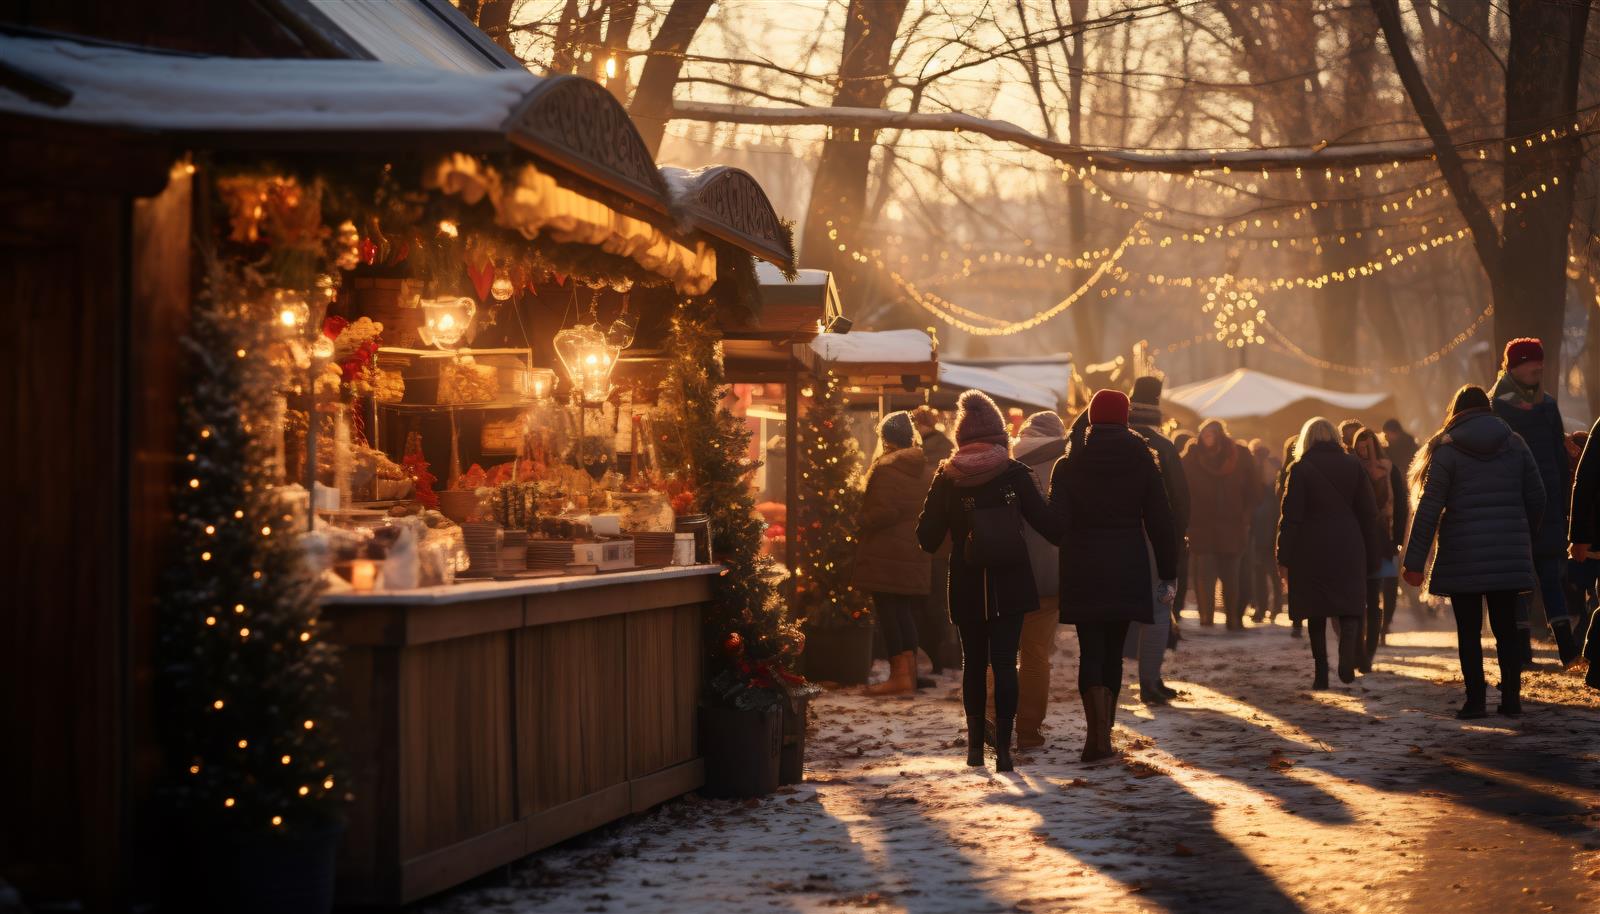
<point>1033,668</point>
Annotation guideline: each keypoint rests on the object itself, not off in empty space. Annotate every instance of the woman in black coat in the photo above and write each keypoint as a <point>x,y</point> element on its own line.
<point>1109,497</point>
<point>987,601</point>
<point>1479,491</point>
<point>1328,544</point>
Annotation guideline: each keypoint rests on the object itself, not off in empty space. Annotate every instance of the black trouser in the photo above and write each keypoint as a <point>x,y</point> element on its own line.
<point>1349,637</point>
<point>934,623</point>
<point>1381,596</point>
<point>985,644</point>
<point>1468,608</point>
<point>897,620</point>
<point>1100,654</point>
<point>1209,569</point>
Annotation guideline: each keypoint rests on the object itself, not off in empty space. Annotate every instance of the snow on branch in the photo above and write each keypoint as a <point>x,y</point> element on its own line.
<point>1322,155</point>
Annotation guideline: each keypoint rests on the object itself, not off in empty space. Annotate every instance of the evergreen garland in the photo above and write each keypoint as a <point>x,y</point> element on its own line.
<point>245,676</point>
<point>747,634</point>
<point>830,493</point>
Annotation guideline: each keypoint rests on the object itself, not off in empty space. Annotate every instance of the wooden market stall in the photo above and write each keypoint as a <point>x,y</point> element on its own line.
<point>483,719</point>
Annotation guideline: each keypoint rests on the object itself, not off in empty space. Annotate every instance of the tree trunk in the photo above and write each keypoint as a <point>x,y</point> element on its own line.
<point>839,191</point>
<point>652,103</point>
<point>494,18</point>
<point>1542,69</point>
<point>619,27</point>
<point>1085,329</point>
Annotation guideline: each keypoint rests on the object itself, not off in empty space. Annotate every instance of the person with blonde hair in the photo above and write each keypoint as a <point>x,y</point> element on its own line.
<point>1328,544</point>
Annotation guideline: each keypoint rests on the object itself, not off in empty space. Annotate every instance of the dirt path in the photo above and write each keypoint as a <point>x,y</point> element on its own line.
<point>1251,794</point>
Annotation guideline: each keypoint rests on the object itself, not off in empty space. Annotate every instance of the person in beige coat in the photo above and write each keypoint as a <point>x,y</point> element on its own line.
<point>889,563</point>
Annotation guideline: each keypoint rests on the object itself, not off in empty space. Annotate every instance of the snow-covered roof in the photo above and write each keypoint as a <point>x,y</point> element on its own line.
<point>415,33</point>
<point>997,385</point>
<point>875,347</point>
<point>1247,392</point>
<point>156,91</point>
<point>769,275</point>
<point>1051,372</point>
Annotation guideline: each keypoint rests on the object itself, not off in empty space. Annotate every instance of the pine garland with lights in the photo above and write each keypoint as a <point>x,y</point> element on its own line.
<point>246,678</point>
<point>749,640</point>
<point>829,495</point>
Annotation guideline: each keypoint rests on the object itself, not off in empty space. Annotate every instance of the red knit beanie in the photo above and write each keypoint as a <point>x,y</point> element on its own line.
<point>1525,349</point>
<point>1109,407</point>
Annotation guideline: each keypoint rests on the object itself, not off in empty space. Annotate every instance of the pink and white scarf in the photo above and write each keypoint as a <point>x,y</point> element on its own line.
<point>977,459</point>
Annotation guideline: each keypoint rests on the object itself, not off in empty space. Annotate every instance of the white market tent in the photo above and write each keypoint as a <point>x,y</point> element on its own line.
<point>1262,403</point>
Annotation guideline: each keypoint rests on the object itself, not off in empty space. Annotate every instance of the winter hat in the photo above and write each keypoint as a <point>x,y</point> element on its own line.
<point>1147,390</point>
<point>1469,397</point>
<point>1524,349</point>
<point>1109,407</point>
<point>1044,424</point>
<point>895,430</point>
<point>978,420</point>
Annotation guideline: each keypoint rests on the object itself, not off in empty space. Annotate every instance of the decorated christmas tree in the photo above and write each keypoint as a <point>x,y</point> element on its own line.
<point>245,674</point>
<point>829,494</point>
<point>750,642</point>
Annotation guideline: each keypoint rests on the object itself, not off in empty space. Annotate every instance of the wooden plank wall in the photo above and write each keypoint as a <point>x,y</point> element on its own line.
<point>472,748</point>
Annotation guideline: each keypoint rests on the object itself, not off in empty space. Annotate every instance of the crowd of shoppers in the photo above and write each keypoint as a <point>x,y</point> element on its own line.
<point>1011,531</point>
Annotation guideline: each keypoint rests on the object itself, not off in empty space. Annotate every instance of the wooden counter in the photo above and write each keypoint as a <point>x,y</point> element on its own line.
<point>488,720</point>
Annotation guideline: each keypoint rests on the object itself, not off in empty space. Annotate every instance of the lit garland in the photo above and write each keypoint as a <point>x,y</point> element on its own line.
<point>947,311</point>
<point>1236,316</point>
<point>1282,343</point>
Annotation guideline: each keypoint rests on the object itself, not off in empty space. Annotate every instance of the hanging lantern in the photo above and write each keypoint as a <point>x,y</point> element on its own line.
<point>589,359</point>
<point>445,321</point>
<point>292,309</point>
<point>502,288</point>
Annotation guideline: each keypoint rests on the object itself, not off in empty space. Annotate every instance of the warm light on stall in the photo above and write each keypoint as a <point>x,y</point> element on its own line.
<point>588,359</point>
<point>363,575</point>
<point>446,321</point>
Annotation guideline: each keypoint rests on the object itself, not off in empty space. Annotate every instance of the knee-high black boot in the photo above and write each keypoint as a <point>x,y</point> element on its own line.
<point>1350,648</point>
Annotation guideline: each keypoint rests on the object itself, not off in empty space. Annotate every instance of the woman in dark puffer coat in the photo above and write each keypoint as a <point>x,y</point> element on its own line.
<point>1109,497</point>
<point>1478,490</point>
<point>1328,543</point>
<point>987,604</point>
<point>888,563</point>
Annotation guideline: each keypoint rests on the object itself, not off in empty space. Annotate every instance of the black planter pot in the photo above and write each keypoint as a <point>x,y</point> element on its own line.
<point>291,873</point>
<point>841,654</point>
<point>792,758</point>
<point>741,750</point>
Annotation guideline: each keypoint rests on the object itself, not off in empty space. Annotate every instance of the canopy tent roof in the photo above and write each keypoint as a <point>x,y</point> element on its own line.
<point>1007,389</point>
<point>1050,372</point>
<point>1246,393</point>
<point>906,359</point>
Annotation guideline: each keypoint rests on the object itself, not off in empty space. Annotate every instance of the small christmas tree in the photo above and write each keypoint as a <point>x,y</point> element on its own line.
<point>748,637</point>
<point>245,675</point>
<point>829,494</point>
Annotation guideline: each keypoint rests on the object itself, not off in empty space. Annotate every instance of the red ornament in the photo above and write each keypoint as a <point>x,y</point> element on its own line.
<point>333,325</point>
<point>733,645</point>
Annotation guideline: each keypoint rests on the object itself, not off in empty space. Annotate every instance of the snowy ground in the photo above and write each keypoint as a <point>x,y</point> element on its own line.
<point>1252,794</point>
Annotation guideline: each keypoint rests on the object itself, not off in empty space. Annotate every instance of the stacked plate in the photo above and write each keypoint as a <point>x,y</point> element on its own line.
<point>514,552</point>
<point>651,550</point>
<point>549,555</point>
<point>483,548</point>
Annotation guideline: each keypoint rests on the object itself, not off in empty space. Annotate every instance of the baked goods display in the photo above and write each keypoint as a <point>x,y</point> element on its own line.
<point>464,381</point>
<point>388,386</point>
<point>502,436</point>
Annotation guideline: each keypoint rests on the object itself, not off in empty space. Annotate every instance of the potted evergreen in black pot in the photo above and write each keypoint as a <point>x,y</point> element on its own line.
<point>252,785</point>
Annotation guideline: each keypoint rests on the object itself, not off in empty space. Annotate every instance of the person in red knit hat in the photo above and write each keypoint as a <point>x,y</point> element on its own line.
<point>1520,400</point>
<point>1109,496</point>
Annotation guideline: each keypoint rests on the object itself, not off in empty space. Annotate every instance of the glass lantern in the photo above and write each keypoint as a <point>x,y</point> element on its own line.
<point>446,321</point>
<point>589,359</point>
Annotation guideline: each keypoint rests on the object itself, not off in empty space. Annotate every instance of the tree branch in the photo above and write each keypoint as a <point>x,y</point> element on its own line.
<point>1485,234</point>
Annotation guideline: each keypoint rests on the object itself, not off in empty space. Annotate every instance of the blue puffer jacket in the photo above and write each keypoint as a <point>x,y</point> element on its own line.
<point>1483,498</point>
<point>1541,427</point>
